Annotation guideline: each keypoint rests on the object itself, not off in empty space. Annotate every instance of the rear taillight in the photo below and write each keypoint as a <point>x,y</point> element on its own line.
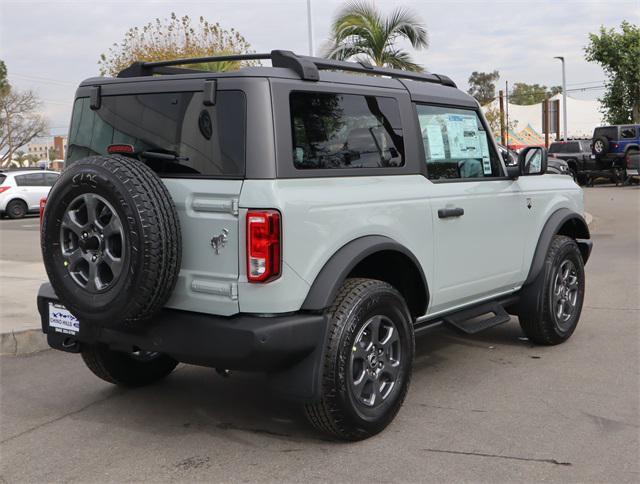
<point>264,245</point>
<point>4,189</point>
<point>43,202</point>
<point>614,146</point>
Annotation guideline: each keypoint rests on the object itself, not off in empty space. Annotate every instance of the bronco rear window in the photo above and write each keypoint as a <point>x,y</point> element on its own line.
<point>206,140</point>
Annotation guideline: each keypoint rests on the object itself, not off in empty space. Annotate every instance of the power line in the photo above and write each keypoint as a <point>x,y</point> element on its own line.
<point>43,80</point>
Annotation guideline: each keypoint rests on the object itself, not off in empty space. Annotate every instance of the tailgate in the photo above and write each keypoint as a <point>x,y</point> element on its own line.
<point>208,212</point>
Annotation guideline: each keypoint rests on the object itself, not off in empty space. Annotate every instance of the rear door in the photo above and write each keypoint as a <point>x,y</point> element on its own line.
<point>32,188</point>
<point>196,144</point>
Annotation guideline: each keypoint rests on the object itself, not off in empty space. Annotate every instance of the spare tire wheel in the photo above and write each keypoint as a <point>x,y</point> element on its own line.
<point>111,241</point>
<point>601,145</point>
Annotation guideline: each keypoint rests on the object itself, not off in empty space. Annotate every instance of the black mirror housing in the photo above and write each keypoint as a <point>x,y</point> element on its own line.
<point>532,160</point>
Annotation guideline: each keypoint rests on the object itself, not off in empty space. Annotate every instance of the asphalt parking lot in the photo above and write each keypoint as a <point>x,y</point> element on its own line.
<point>489,408</point>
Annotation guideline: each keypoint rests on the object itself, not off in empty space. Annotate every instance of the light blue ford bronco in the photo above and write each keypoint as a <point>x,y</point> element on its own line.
<point>302,221</point>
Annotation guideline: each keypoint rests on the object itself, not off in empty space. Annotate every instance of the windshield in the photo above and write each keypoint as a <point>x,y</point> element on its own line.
<point>205,140</point>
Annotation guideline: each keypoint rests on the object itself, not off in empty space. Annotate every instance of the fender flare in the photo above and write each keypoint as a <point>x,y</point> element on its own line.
<point>552,227</point>
<point>631,146</point>
<point>337,268</point>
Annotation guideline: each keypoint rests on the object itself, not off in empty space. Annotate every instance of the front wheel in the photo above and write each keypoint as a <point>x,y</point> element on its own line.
<point>367,361</point>
<point>553,303</point>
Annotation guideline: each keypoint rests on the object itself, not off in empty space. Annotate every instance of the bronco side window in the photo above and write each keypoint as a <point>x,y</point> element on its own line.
<point>345,131</point>
<point>456,144</point>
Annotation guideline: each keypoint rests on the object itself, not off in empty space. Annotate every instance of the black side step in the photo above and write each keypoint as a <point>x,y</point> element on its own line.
<point>478,318</point>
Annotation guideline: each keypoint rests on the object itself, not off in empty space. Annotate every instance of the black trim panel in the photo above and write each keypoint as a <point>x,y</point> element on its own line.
<point>552,227</point>
<point>338,267</point>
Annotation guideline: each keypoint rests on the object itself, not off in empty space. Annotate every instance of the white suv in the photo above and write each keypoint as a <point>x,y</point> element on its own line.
<point>299,222</point>
<point>22,190</point>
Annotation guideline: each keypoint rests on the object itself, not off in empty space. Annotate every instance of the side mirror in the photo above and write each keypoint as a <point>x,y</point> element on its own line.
<point>533,161</point>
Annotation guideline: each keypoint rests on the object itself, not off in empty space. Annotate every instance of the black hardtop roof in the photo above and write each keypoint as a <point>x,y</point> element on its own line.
<point>288,65</point>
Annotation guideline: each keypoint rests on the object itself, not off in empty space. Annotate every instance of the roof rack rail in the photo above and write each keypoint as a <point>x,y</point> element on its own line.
<point>305,66</point>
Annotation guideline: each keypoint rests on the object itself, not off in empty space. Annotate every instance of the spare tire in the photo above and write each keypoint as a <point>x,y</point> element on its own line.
<point>601,145</point>
<point>111,241</point>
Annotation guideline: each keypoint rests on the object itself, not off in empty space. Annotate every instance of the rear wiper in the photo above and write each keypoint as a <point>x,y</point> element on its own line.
<point>158,155</point>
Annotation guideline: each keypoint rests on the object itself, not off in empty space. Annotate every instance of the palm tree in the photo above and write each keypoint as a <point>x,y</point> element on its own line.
<point>360,31</point>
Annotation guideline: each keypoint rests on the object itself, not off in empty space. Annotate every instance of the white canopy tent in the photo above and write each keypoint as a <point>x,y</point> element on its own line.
<point>582,116</point>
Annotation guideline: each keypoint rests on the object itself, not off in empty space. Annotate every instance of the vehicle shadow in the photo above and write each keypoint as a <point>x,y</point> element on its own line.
<point>241,409</point>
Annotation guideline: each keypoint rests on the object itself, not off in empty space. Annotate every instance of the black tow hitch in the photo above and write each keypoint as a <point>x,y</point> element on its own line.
<point>63,342</point>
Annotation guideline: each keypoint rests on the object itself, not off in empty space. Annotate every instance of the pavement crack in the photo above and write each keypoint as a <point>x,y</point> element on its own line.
<point>57,419</point>
<point>498,456</point>
<point>612,308</point>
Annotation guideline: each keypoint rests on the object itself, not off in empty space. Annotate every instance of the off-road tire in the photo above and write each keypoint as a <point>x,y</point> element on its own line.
<point>152,249</point>
<point>605,145</point>
<point>537,317</point>
<point>125,370</point>
<point>16,209</point>
<point>337,413</point>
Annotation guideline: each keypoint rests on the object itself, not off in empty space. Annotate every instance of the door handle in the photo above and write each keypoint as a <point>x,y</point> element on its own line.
<point>450,212</point>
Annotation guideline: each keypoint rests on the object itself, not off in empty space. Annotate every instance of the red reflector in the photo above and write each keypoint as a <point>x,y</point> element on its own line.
<point>43,202</point>
<point>263,245</point>
<point>114,149</point>
<point>614,145</point>
<point>4,189</point>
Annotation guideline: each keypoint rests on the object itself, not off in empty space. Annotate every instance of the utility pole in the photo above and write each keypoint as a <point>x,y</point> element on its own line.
<point>503,136</point>
<point>506,90</point>
<point>564,98</point>
<point>310,27</point>
<point>545,122</point>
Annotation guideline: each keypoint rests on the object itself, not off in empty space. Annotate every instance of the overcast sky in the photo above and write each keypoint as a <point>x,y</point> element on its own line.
<point>50,46</point>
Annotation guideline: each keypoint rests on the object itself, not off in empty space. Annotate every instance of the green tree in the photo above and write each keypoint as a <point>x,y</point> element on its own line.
<point>482,86</point>
<point>175,38</point>
<point>4,82</point>
<point>360,31</point>
<point>53,154</point>
<point>526,94</point>
<point>619,55</point>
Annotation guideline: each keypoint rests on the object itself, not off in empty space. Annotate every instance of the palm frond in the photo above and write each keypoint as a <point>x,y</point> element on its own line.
<point>360,30</point>
<point>403,22</point>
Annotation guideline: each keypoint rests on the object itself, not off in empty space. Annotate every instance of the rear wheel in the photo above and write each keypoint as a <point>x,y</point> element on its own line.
<point>552,318</point>
<point>127,369</point>
<point>16,209</point>
<point>367,362</point>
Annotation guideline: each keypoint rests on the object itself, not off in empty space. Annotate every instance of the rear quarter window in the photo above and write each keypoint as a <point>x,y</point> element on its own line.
<point>346,131</point>
<point>2,179</point>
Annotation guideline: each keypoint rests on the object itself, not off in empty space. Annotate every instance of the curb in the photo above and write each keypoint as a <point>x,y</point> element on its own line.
<point>23,342</point>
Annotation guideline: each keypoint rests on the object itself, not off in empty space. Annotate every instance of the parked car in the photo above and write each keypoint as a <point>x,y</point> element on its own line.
<point>554,165</point>
<point>577,154</point>
<point>633,164</point>
<point>298,222</point>
<point>21,191</point>
<point>613,145</point>
<point>558,166</point>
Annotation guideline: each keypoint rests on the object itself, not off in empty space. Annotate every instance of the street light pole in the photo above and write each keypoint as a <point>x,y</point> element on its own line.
<point>564,98</point>
<point>310,27</point>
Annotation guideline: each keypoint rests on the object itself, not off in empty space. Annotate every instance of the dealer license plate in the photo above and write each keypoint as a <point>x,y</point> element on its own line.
<point>61,320</point>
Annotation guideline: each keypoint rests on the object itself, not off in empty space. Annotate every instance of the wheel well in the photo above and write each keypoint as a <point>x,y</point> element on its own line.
<point>401,272</point>
<point>576,229</point>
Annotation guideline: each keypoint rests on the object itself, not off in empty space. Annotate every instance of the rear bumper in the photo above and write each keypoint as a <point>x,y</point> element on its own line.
<point>242,342</point>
